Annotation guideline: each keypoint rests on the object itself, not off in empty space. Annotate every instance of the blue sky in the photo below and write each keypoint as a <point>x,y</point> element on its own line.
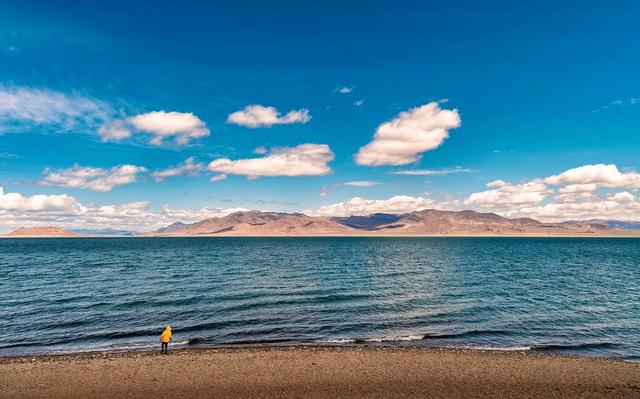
<point>539,90</point>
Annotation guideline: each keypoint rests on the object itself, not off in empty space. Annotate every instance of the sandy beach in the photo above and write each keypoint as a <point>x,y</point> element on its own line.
<point>317,372</point>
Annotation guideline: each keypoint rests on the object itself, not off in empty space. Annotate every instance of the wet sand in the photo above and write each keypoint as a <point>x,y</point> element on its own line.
<point>317,372</point>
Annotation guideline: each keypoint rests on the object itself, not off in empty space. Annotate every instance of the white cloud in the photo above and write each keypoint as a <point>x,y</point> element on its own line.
<point>344,89</point>
<point>189,167</point>
<point>184,126</point>
<point>600,175</point>
<point>21,106</point>
<point>497,183</point>
<point>260,150</point>
<point>360,183</point>
<point>395,205</point>
<point>219,177</point>
<point>432,172</point>
<point>114,131</point>
<point>303,160</point>
<point>618,103</point>
<point>579,195</point>
<point>96,179</point>
<point>531,193</point>
<point>402,140</point>
<point>254,116</point>
<point>16,202</point>
<point>359,103</point>
<point>578,188</point>
<point>594,207</point>
<point>65,211</point>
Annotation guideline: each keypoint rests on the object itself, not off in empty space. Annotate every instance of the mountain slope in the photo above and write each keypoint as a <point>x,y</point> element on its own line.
<point>434,222</point>
<point>42,231</point>
<point>426,222</point>
<point>261,223</point>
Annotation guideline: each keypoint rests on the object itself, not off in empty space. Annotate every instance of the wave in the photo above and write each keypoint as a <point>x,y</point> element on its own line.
<point>404,338</point>
<point>576,346</point>
<point>464,334</point>
<point>515,348</point>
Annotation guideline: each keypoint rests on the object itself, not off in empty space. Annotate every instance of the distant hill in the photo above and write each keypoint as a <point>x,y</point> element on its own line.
<point>42,231</point>
<point>426,222</point>
<point>369,222</point>
<point>171,228</point>
<point>620,224</point>
<point>104,232</point>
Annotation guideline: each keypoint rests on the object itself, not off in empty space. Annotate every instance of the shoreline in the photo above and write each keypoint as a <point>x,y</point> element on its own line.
<point>317,371</point>
<point>631,235</point>
<point>532,350</point>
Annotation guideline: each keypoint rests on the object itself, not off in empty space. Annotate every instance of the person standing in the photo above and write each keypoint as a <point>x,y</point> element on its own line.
<point>165,338</point>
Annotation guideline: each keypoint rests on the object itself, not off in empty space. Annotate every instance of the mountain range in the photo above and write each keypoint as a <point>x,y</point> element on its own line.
<point>425,222</point>
<point>428,222</point>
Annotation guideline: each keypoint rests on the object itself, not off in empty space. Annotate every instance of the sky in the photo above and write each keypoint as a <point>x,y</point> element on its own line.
<point>135,115</point>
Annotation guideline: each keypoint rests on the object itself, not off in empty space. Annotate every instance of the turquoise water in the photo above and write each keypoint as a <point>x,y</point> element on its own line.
<point>577,296</point>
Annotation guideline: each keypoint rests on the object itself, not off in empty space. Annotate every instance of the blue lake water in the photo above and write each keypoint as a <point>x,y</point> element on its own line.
<point>578,296</point>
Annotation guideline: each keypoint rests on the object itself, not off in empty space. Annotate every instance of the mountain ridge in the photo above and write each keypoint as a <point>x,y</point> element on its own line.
<point>424,222</point>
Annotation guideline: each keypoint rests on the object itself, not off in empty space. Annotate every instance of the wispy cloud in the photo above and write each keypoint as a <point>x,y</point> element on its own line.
<point>360,183</point>
<point>618,103</point>
<point>432,172</point>
<point>21,108</point>
<point>359,103</point>
<point>260,150</point>
<point>189,167</point>
<point>95,179</point>
<point>8,155</point>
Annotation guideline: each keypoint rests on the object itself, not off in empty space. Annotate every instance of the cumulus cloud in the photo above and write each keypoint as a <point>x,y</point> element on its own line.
<point>580,193</point>
<point>254,116</point>
<point>599,175</point>
<point>359,206</point>
<point>593,207</point>
<point>303,160</point>
<point>432,172</point>
<point>16,202</point>
<point>96,179</point>
<point>20,107</point>
<point>189,167</point>
<point>401,140</point>
<point>66,211</point>
<point>497,183</point>
<point>530,193</point>
<point>182,126</point>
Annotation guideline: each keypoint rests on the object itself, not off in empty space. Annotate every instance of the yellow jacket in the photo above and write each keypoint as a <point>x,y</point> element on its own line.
<point>166,335</point>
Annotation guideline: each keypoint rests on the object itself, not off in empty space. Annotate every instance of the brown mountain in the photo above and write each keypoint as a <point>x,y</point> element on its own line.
<point>434,222</point>
<point>427,222</point>
<point>42,231</point>
<point>261,223</point>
